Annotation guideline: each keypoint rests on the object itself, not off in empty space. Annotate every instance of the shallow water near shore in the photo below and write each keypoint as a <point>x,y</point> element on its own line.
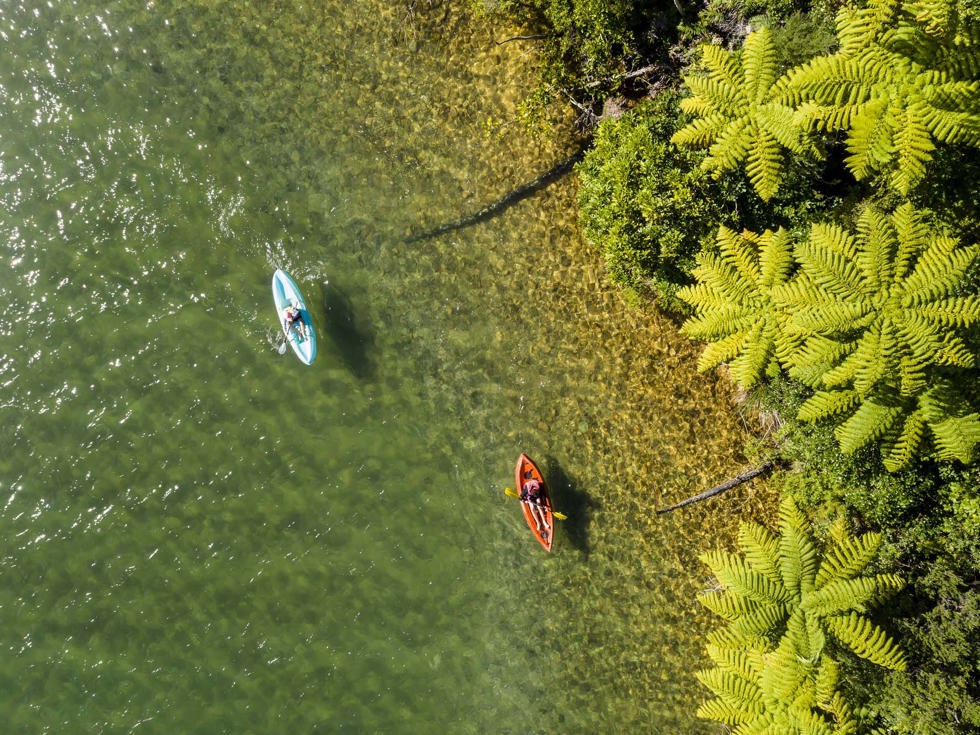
<point>199,535</point>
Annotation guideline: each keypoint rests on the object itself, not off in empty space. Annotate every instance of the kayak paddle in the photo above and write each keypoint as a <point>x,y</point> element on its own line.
<point>514,494</point>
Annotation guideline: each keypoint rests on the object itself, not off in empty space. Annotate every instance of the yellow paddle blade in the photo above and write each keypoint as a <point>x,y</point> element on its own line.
<point>514,494</point>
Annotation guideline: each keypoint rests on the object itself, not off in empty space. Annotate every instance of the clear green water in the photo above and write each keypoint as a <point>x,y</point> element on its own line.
<point>200,536</point>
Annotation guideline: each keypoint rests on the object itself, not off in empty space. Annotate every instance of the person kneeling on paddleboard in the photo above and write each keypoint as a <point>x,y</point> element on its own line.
<point>532,494</point>
<point>293,318</point>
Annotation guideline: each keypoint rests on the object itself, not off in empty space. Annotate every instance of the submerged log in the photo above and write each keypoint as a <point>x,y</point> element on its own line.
<point>513,197</point>
<point>763,469</point>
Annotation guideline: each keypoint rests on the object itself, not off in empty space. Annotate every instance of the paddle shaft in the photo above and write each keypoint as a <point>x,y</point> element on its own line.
<point>513,493</point>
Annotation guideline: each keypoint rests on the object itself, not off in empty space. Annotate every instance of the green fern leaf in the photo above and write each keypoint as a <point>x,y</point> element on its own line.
<point>957,437</point>
<point>847,557</point>
<point>867,640</point>
<point>717,709</point>
<point>749,121</point>
<point>869,422</point>
<point>725,603</point>
<point>744,662</point>
<point>797,554</point>
<point>761,549</point>
<point>761,620</point>
<point>842,595</point>
<point>824,404</point>
<point>907,444</point>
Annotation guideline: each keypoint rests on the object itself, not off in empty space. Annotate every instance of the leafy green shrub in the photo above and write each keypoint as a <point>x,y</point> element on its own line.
<point>646,205</point>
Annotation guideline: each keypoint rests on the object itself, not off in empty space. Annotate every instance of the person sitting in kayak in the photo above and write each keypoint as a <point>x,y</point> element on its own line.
<point>293,318</point>
<point>533,494</point>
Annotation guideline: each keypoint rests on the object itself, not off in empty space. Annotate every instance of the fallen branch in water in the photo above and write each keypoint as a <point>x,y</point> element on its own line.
<point>520,38</point>
<point>514,196</point>
<point>763,469</point>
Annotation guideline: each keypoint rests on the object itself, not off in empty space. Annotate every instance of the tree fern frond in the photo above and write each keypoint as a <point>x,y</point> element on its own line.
<point>765,165</point>
<point>867,640</point>
<point>722,711</point>
<point>901,451</point>
<point>721,351</point>
<point>814,357</point>
<point>741,253</point>
<point>870,141</point>
<point>863,367</point>
<point>744,662</point>
<point>824,404</point>
<point>735,575</point>
<point>699,132</point>
<point>728,639</point>
<point>914,148</point>
<point>713,321</point>
<point>775,258</point>
<point>857,593</point>
<point>757,354</point>
<point>912,233</point>
<point>784,125</point>
<point>725,603</point>
<point>962,311</point>
<point>722,66</point>
<point>730,147</point>
<point>761,620</point>
<point>752,585</point>
<point>742,694</point>
<point>797,554</point>
<point>872,419</point>
<point>759,65</point>
<point>957,437</point>
<point>761,549</point>
<point>846,557</point>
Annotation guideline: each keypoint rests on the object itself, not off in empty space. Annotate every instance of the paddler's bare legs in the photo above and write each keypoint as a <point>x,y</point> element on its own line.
<point>539,517</point>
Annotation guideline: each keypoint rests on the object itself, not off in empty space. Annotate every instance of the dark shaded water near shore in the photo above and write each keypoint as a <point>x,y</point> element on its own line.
<point>201,536</point>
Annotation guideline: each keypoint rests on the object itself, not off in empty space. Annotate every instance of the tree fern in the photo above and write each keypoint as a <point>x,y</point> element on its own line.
<point>881,302</point>
<point>733,301</point>
<point>772,672</point>
<point>740,119</point>
<point>939,420</point>
<point>897,83</point>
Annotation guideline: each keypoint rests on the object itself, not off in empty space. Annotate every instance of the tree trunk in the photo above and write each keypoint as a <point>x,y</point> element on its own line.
<point>763,469</point>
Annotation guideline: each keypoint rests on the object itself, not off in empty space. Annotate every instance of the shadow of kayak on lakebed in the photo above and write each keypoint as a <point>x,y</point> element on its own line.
<point>353,340</point>
<point>568,498</point>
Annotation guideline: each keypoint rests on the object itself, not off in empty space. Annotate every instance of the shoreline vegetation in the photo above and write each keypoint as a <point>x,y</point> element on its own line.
<point>796,185</point>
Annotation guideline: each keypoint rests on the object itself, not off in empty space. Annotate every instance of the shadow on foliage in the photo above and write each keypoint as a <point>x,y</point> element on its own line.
<point>354,342</point>
<point>570,499</point>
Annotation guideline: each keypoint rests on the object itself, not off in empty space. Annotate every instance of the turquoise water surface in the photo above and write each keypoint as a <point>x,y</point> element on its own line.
<point>199,535</point>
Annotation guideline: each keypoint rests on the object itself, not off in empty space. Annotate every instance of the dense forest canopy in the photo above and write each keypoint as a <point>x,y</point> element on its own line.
<point>797,183</point>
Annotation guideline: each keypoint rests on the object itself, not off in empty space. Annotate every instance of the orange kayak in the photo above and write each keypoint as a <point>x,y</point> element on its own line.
<point>521,475</point>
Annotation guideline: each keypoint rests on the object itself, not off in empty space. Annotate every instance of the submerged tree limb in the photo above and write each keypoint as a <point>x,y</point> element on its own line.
<point>513,197</point>
<point>763,469</point>
<point>536,37</point>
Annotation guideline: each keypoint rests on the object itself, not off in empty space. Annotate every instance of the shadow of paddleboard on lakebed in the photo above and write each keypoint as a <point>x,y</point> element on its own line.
<point>354,341</point>
<point>570,499</point>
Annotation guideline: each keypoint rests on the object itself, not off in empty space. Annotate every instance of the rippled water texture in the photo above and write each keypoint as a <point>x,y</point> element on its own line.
<point>199,535</point>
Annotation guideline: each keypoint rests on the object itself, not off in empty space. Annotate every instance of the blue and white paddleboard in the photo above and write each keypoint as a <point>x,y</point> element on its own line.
<point>286,292</point>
